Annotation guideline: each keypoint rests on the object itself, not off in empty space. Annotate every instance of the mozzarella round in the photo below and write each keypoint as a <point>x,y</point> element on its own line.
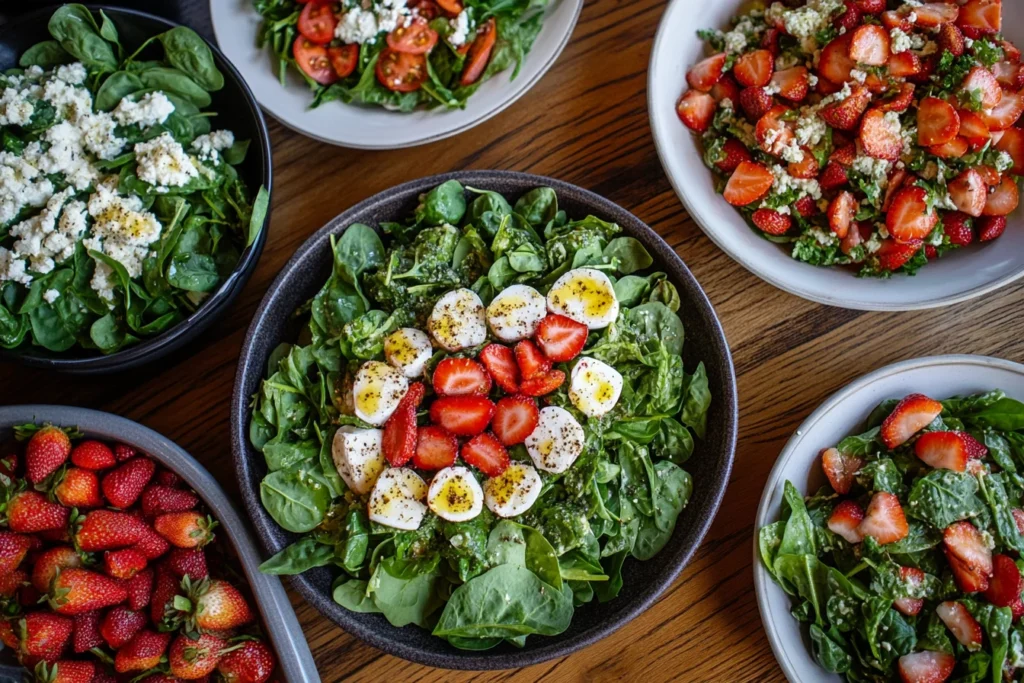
<point>408,349</point>
<point>594,387</point>
<point>515,313</point>
<point>358,457</point>
<point>587,296</point>
<point>455,495</point>
<point>398,499</point>
<point>514,491</point>
<point>557,440</point>
<point>457,321</point>
<point>376,391</point>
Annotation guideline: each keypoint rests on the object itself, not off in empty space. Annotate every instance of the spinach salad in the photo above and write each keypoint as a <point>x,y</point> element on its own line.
<point>120,209</point>
<point>528,366</point>
<point>907,565</point>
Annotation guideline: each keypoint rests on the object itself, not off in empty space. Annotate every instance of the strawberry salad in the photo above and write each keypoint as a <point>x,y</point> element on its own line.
<point>109,570</point>
<point>907,565</point>
<point>873,134</point>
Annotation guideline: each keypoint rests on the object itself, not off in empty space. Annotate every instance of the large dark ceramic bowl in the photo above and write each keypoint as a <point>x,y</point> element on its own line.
<point>237,111</point>
<point>710,465</point>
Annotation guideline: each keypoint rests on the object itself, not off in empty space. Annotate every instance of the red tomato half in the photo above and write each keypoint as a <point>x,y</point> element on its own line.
<point>401,71</point>
<point>479,53</point>
<point>313,60</point>
<point>416,37</point>
<point>344,59</point>
<point>450,6</point>
<point>426,9</point>
<point>317,23</point>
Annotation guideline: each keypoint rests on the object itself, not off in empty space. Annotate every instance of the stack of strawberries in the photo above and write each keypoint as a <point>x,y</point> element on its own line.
<point>103,569</point>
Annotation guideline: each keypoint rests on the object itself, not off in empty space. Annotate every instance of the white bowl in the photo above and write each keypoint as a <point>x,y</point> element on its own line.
<point>235,23</point>
<point>842,414</point>
<point>957,277</point>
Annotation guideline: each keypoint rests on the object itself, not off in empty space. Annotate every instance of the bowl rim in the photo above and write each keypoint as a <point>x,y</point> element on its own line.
<point>164,343</point>
<point>762,579</point>
<point>281,625</point>
<point>483,117</point>
<point>542,651</point>
<point>664,41</point>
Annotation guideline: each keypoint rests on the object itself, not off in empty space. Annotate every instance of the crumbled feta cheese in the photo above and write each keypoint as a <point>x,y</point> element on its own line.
<point>898,41</point>
<point>823,238</point>
<point>812,80</point>
<point>735,41</point>
<point>362,24</point>
<point>12,268</point>
<point>908,134</point>
<point>968,42</point>
<point>1003,161</point>
<point>891,120</point>
<point>726,103</point>
<point>15,109</point>
<point>792,153</point>
<point>858,75</point>
<point>804,22</point>
<point>209,146</point>
<point>772,88</point>
<point>51,295</point>
<point>784,182</point>
<point>21,185</point>
<point>98,135</point>
<point>460,29</point>
<point>162,161</point>
<point>151,109</point>
<point>810,130</point>
<point>876,169</point>
<point>122,230</point>
<point>873,244</point>
<point>72,73</point>
<point>44,241</point>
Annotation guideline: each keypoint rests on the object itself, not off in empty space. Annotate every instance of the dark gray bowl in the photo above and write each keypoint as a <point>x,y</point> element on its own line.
<point>710,465</point>
<point>279,621</point>
<point>238,111</point>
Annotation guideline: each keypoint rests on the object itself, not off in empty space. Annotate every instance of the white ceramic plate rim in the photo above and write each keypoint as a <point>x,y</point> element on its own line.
<point>516,89</point>
<point>762,579</point>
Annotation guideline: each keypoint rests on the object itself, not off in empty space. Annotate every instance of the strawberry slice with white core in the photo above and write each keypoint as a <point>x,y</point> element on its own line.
<point>845,114</point>
<point>459,377</point>
<point>1006,113</point>
<point>961,624</point>
<point>912,577</point>
<point>884,520</point>
<point>901,100</point>
<point>980,17</point>
<point>706,72</point>
<point>1012,143</point>
<point>1009,74</point>
<point>969,556</point>
<point>840,469</point>
<point>845,519</point>
<point>954,149</point>
<point>696,109</point>
<point>1002,199</point>
<point>792,83</point>
<point>748,183</point>
<point>1006,584</point>
<point>942,450</point>
<point>773,132</point>
<point>904,64</point>
<point>835,63</point>
<point>911,415</point>
<point>909,219</point>
<point>934,14</point>
<point>974,129</point>
<point>926,667</point>
<point>841,211</point>
<point>937,122</point>
<point>981,84</point>
<point>754,68</point>
<point>893,255</point>
<point>880,135</point>
<point>515,418</point>
<point>561,338</point>
<point>869,45</point>
<point>968,192</point>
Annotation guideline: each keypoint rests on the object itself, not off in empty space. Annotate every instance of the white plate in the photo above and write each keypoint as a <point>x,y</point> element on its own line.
<point>235,23</point>
<point>842,414</point>
<point>959,276</point>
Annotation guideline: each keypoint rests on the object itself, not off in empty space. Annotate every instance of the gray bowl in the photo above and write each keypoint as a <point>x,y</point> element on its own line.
<point>279,621</point>
<point>643,582</point>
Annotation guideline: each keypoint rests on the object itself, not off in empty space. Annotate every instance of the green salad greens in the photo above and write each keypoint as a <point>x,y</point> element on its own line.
<point>907,565</point>
<point>480,582</point>
<point>120,209</point>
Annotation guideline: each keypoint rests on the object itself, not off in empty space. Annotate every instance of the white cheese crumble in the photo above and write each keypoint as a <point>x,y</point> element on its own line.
<point>792,153</point>
<point>15,109</point>
<point>1003,161</point>
<point>898,41</point>
<point>810,130</point>
<point>163,162</point>
<point>784,182</point>
<point>151,109</point>
<point>460,29</point>
<point>51,295</point>
<point>42,240</point>
<point>362,24</point>
<point>858,75</point>
<point>823,238</point>
<point>209,146</point>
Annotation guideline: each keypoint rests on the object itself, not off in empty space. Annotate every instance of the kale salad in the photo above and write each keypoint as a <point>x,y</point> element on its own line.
<point>907,565</point>
<point>121,210</point>
<point>398,54</point>
<point>486,414</point>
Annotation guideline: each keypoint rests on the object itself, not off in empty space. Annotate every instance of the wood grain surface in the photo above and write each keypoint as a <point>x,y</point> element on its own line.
<point>585,122</point>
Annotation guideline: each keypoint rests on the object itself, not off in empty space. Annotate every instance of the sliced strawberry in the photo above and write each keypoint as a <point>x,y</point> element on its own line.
<point>1010,50</point>
<point>942,450</point>
<point>911,415</point>
<point>845,519</point>
<point>974,129</point>
<point>959,621</point>
<point>880,139</point>
<point>896,180</point>
<point>954,149</point>
<point>734,153</point>
<point>754,68</point>
<point>892,20</point>
<point>835,63</point>
<point>826,87</point>
<point>991,227</point>
<point>929,63</point>
<point>462,415</point>
<point>399,438</point>
<point>841,469</point>
<point>904,64</point>
<point>926,667</point>
<point>849,19</point>
<point>912,577</point>
<point>950,38</point>
<point>980,79</point>
<point>773,132</point>
<point>696,109</point>
<point>748,183</point>
<point>909,219</point>
<point>937,122</point>
<point>706,72</point>
<point>530,360</point>
<point>841,211</point>
<point>1006,113</point>
<point>832,177</point>
<point>1002,199</point>
<point>755,102</point>
<point>515,418</point>
<point>870,6</point>
<point>1006,584</point>
<point>934,14</point>
<point>844,154</point>
<point>726,88</point>
<point>486,453</point>
<point>876,84</point>
<point>859,233</point>
<point>772,222</point>
<point>460,376</point>
<point>980,17</point>
<point>957,227</point>
<point>884,520</point>
<point>869,45</point>
<point>845,114</point>
<point>1008,74</point>
<point>500,361</point>
<point>806,168</point>
<point>975,449</point>
<point>969,556</point>
<point>561,338</point>
<point>968,192</point>
<point>436,448</point>
<point>542,385</point>
<point>1012,143</point>
<point>770,41</point>
<point>805,206</point>
<point>990,175</point>
<point>792,83</point>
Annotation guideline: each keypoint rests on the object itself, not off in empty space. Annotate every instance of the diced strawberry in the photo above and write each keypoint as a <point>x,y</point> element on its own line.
<point>909,219</point>
<point>1008,74</point>
<point>835,63</point>
<point>849,19</point>
<point>991,227</point>
<point>950,38</point>
<point>399,439</point>
<point>770,41</point>
<point>870,6</point>
<point>748,183</point>
<point>869,45</point>
<point>980,17</point>
<point>937,122</point>
<point>726,88</point>
<point>841,469</point>
<point>859,233</point>
<point>436,448</point>
<point>754,68</point>
<point>1018,518</point>
<point>734,153</point>
<point>500,361</point>
<point>896,180</point>
<point>1012,143</point>
<point>876,84</point>
<point>980,79</point>
<point>706,72</point>
<point>755,102</point>
<point>934,14</point>
<point>892,19</point>
<point>806,168</point>
<point>904,64</point>
<point>974,129</point>
<point>844,155</point>
<point>942,450</point>
<point>926,667</point>
<point>1002,199</point>
<point>805,206</point>
<point>832,177</point>
<point>515,418</point>
<point>911,415</point>
<point>826,87</point>
<point>792,83</point>
<point>772,222</point>
<point>845,114</point>
<point>976,468</point>
<point>954,149</point>
<point>880,140</point>
<point>542,385</point>
<point>841,212</point>
<point>530,360</point>
<point>486,453</point>
<point>696,109</point>
<point>912,577</point>
<point>884,520</point>
<point>462,415</point>
<point>1010,50</point>
<point>990,175</point>
<point>975,449</point>
<point>928,65</point>
<point>845,519</point>
<point>773,132</point>
<point>968,192</point>
<point>1006,113</point>
<point>957,227</point>
<point>959,621</point>
<point>969,556</point>
<point>1006,584</point>
<point>460,376</point>
<point>561,338</point>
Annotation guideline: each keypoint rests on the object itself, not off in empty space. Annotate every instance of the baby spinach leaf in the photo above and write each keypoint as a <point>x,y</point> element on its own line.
<point>538,206</point>
<point>306,553</point>
<point>116,87</point>
<point>175,81</point>
<point>258,216</point>
<point>406,591</point>
<point>942,497</point>
<point>294,498</point>
<point>830,650</point>
<point>631,289</point>
<point>46,54</point>
<point>628,254</point>
<point>446,203</point>
<point>75,29</point>
<point>697,402</point>
<point>188,52</point>
<point>351,594</point>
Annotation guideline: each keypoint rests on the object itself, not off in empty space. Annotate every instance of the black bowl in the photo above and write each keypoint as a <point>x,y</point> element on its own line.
<point>238,111</point>
<point>710,465</point>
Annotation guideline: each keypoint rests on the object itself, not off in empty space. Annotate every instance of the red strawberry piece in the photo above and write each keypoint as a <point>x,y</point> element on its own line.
<point>909,219</point>
<point>124,563</point>
<point>696,109</point>
<point>975,449</point>
<point>486,453</point>
<point>792,83</point>
<point>190,562</point>
<point>142,652</point>
<point>911,415</point>
<point>515,418</point>
<point>979,18</point>
<point>93,455</point>
<point>123,486</point>
<point>1010,50</point>
<point>139,589</point>
<point>892,255</point>
<point>7,635</point>
<point>755,102</point>
<point>880,139</point>
<point>845,114</point>
<point>542,385</point>
<point>460,376</point>
<point>806,168</point>
<point>12,582</point>
<point>974,129</point>
<point>560,338</point>
<point>190,658</point>
<point>835,64</point>
<point>950,38</point>
<point>167,478</point>
<point>980,80</point>
<point>66,671</point>
<point>961,624</point>
<point>770,41</point>
<point>706,72</point>
<point>1012,143</point>
<point>937,122</point>
<point>805,206</point>
<point>957,227</point>
<point>79,488</point>
<point>189,529</point>
<point>124,452</point>
<point>1010,75</point>
<point>436,448</point>
<point>462,415</point>
<point>253,662</point>
<point>926,667</point>
<point>870,6</point>
<point>898,20</point>
<point>13,548</point>
<point>108,530</point>
<point>844,155</point>
<point>50,562</point>
<point>860,232</point>
<point>934,14</point>
<point>849,19</point>
<point>899,101</point>
<point>991,227</point>
<point>399,438</point>
<point>733,154</point>
<point>968,192</point>
<point>841,211</point>
<point>1002,199</point>
<point>43,636</point>
<point>76,590</point>
<point>754,68</point>
<point>1006,584</point>
<point>884,520</point>
<point>726,89</point>
<point>530,360</point>
<point>120,625</point>
<point>840,469</point>
<point>1006,113</point>
<point>151,544</point>
<point>969,556</point>
<point>771,221</point>
<point>845,519</point>
<point>896,180</point>
<point>45,452</point>
<point>165,587</point>
<point>953,149</point>
<point>748,183</point>
<point>158,499</point>
<point>942,450</point>
<point>30,512</point>
<point>500,361</point>
<point>773,132</point>
<point>869,44</point>
<point>834,176</point>
<point>912,578</point>
<point>219,606</point>
<point>87,631</point>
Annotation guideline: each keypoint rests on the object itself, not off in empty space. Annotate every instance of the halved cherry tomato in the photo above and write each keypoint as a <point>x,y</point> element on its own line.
<point>415,38</point>
<point>317,23</point>
<point>425,8</point>
<point>450,6</point>
<point>313,60</point>
<point>344,59</point>
<point>401,71</point>
<point>479,53</point>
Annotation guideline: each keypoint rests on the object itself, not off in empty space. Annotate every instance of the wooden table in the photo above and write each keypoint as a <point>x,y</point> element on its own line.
<point>585,122</point>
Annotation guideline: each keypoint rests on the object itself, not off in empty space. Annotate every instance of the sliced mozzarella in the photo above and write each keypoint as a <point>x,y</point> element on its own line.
<point>397,499</point>
<point>595,387</point>
<point>455,495</point>
<point>514,491</point>
<point>516,312</point>
<point>357,457</point>
<point>376,391</point>
<point>408,349</point>
<point>557,440</point>
<point>587,296</point>
<point>457,321</point>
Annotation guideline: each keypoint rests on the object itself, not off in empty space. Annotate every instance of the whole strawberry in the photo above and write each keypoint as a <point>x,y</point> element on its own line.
<point>30,512</point>
<point>65,671</point>
<point>159,500</point>
<point>151,544</point>
<point>140,589</point>
<point>185,529</point>
<point>250,663</point>
<point>123,486</point>
<point>93,455</point>
<point>13,548</point>
<point>7,635</point>
<point>216,605</point>
<point>161,605</point>
<point>142,652</point>
<point>123,452</point>
<point>45,452</point>
<point>188,562</point>
<point>80,590</point>
<point>43,636</point>
<point>192,658</point>
<point>108,530</point>
<point>124,563</point>
<point>120,625</point>
<point>87,631</point>
<point>79,488</point>
<point>50,562</point>
<point>12,582</point>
